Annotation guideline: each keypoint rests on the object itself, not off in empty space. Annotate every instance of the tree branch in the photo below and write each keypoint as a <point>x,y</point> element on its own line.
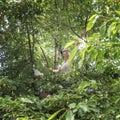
<point>47,64</point>
<point>30,46</point>
<point>83,34</point>
<point>56,54</point>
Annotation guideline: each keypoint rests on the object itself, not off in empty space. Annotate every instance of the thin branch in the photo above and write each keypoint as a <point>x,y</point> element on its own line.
<point>30,46</point>
<point>47,64</point>
<point>56,54</point>
<point>83,34</point>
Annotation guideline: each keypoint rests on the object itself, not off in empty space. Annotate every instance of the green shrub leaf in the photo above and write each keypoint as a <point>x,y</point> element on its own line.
<point>69,44</point>
<point>92,21</point>
<point>69,115</point>
<point>83,85</point>
<point>55,114</point>
<point>73,53</point>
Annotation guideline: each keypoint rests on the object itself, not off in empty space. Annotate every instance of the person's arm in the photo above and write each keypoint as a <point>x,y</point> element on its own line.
<point>56,70</point>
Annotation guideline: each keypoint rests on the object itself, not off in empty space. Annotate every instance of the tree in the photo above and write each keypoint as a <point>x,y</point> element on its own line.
<point>33,32</point>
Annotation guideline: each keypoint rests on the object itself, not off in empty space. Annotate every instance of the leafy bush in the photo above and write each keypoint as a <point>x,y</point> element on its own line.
<point>22,108</point>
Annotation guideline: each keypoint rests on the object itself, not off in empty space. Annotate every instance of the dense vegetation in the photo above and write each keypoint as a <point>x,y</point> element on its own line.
<point>32,32</point>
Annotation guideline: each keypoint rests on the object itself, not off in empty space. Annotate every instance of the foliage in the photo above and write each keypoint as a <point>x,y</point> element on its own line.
<point>22,108</point>
<point>32,32</point>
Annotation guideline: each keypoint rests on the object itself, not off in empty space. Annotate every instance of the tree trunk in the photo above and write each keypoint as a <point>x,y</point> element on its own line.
<point>47,64</point>
<point>56,38</point>
<point>56,54</point>
<point>30,47</point>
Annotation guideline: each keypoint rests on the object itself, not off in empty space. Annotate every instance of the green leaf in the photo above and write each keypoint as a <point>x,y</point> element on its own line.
<point>83,107</point>
<point>93,54</point>
<point>112,29</point>
<point>69,44</point>
<point>69,115</point>
<point>117,100</point>
<point>72,105</point>
<point>118,116</point>
<point>62,117</point>
<point>23,118</point>
<point>103,29</point>
<point>26,100</point>
<point>118,12</point>
<point>82,54</point>
<point>73,53</point>
<point>55,114</point>
<point>92,21</point>
<point>96,36</point>
<point>83,85</point>
<point>93,83</point>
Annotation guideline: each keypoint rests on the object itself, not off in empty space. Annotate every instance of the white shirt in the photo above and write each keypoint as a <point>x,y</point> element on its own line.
<point>65,67</point>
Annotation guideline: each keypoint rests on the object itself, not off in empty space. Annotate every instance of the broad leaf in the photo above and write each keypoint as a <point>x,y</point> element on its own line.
<point>118,12</point>
<point>73,53</point>
<point>112,29</point>
<point>26,100</point>
<point>83,85</point>
<point>62,117</point>
<point>55,114</point>
<point>82,54</point>
<point>72,105</point>
<point>103,29</point>
<point>83,107</point>
<point>92,21</point>
<point>69,115</point>
<point>69,44</point>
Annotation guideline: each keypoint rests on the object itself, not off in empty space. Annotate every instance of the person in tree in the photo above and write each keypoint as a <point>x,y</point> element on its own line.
<point>66,65</point>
